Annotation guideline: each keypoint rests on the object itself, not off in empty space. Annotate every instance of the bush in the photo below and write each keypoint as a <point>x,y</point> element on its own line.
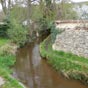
<point>3,30</point>
<point>43,24</point>
<point>17,33</point>
<point>54,32</point>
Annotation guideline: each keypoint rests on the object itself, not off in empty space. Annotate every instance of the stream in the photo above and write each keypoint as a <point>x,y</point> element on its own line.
<point>35,72</point>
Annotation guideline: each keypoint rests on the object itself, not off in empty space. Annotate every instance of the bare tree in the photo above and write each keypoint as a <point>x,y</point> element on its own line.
<point>3,3</point>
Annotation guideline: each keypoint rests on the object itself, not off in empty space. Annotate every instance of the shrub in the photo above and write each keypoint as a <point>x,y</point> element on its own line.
<point>3,30</point>
<point>17,33</point>
<point>54,32</point>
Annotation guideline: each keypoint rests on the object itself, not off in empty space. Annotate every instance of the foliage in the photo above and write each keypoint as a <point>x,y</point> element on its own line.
<point>36,13</point>
<point>3,30</point>
<point>47,15</point>
<point>19,13</point>
<point>43,24</point>
<point>67,11</point>
<point>17,33</point>
<point>69,64</point>
<point>54,32</point>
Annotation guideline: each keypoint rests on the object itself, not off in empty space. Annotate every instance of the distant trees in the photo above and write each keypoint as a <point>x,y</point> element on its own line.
<point>42,12</point>
<point>6,5</point>
<point>66,10</point>
<point>47,8</point>
<point>3,3</point>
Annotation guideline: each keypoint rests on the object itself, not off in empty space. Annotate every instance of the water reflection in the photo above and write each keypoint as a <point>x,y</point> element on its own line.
<point>34,72</point>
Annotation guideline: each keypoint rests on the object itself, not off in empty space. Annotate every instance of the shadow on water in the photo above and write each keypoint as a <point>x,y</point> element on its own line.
<point>34,71</point>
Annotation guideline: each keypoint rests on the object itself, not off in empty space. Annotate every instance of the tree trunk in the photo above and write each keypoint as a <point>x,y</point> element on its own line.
<point>3,3</point>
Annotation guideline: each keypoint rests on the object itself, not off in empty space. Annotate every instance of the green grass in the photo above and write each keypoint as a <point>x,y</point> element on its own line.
<point>69,64</point>
<point>6,61</point>
<point>3,41</point>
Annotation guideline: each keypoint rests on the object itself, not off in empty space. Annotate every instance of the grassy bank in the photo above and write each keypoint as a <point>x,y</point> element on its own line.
<point>3,41</point>
<point>72,66</point>
<point>6,61</point>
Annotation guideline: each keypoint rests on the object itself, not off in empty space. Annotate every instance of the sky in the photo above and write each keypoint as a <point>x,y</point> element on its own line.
<point>79,0</point>
<point>71,0</point>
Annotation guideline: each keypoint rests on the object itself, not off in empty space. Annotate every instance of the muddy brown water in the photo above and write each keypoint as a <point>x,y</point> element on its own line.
<point>35,72</point>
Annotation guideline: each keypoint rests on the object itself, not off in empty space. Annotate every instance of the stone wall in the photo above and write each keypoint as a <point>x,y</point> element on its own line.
<point>71,23</point>
<point>74,41</point>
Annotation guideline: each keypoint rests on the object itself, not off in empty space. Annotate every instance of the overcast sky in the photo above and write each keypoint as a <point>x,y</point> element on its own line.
<point>71,0</point>
<point>79,0</point>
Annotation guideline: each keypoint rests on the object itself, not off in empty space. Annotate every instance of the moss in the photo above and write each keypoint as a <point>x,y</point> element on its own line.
<point>72,65</point>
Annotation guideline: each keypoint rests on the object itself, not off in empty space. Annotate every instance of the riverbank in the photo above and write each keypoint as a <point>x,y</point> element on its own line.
<point>70,65</point>
<point>7,59</point>
<point>3,41</point>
